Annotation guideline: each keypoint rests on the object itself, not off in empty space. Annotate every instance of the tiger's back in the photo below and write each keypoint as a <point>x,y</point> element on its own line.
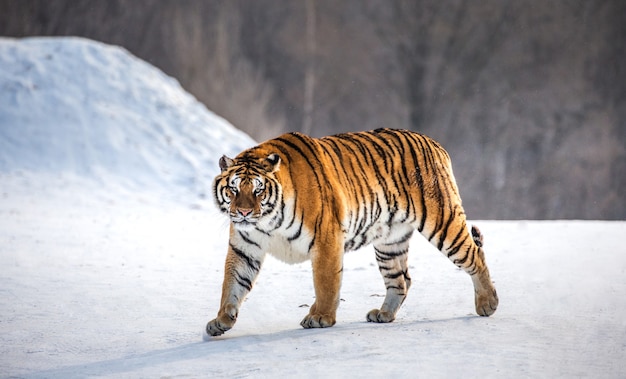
<point>391,178</point>
<point>340,193</point>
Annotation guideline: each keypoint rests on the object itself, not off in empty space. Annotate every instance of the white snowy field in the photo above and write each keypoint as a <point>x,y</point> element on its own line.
<point>112,254</point>
<point>93,285</point>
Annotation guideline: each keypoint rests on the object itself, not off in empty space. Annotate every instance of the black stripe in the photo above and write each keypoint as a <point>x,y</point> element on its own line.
<point>247,239</point>
<point>462,230</point>
<point>400,240</point>
<point>394,275</point>
<point>254,264</point>
<point>355,187</point>
<point>298,150</point>
<point>453,249</point>
<point>293,213</point>
<point>418,175</point>
<point>444,232</point>
<point>262,231</point>
<point>392,254</point>
<point>360,244</point>
<point>243,281</point>
<point>461,261</point>
<point>296,235</point>
<point>348,179</point>
<point>278,218</point>
<point>472,258</point>
<point>311,243</point>
<point>382,178</point>
<point>334,159</point>
<point>400,177</point>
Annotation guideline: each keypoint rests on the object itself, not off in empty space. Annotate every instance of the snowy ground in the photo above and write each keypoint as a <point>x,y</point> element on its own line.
<point>112,255</point>
<point>96,284</point>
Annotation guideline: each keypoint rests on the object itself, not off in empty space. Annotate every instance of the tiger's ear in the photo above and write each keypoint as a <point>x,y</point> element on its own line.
<point>225,162</point>
<point>272,163</point>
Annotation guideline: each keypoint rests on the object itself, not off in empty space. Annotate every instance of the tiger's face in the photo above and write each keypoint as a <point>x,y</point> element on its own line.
<point>247,189</point>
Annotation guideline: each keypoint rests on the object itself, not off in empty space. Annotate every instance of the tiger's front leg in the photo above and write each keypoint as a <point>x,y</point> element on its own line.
<point>327,261</point>
<point>240,273</point>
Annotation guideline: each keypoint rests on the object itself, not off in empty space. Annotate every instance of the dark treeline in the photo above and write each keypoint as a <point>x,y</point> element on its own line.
<point>529,97</point>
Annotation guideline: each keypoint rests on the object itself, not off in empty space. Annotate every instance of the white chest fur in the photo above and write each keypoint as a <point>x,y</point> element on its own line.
<point>295,251</point>
<point>277,243</point>
<point>290,242</point>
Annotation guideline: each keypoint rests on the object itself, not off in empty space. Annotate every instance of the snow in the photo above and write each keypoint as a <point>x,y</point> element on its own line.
<point>94,110</point>
<point>112,270</point>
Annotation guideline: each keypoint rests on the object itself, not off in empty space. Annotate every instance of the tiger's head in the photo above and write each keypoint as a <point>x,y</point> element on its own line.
<point>247,189</point>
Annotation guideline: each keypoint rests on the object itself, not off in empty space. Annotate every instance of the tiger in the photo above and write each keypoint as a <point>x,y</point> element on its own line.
<point>301,198</point>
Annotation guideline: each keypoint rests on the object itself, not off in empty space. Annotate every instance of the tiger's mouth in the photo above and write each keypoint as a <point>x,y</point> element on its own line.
<point>244,222</point>
<point>244,225</point>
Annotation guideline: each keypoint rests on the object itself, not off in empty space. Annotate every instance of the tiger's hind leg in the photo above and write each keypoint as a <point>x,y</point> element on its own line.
<point>486,297</point>
<point>392,263</point>
<point>466,252</point>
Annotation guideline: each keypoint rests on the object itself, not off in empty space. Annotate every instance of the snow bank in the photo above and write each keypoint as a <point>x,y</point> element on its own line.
<point>75,106</point>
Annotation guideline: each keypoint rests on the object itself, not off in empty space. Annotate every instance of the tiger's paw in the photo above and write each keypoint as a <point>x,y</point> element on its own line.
<point>224,321</point>
<point>486,303</point>
<point>317,321</point>
<point>376,315</point>
<point>215,328</point>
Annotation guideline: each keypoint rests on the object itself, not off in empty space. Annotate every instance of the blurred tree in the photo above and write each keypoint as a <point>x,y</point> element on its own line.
<point>529,97</point>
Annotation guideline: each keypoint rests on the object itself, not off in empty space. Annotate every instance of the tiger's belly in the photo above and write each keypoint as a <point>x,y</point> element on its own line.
<point>376,231</point>
<point>292,244</point>
<point>298,251</point>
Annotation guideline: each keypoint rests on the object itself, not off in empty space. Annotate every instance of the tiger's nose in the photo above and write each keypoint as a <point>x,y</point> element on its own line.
<point>244,211</point>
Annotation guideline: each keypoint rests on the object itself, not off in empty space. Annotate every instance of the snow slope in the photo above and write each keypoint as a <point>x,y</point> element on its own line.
<point>103,275</point>
<point>77,106</point>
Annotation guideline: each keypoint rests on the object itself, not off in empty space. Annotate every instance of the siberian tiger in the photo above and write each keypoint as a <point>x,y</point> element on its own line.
<point>299,198</point>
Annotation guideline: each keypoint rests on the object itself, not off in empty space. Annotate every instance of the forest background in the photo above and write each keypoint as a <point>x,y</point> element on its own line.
<point>528,97</point>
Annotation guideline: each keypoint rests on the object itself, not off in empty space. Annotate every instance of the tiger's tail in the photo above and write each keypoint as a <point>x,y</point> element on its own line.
<point>477,236</point>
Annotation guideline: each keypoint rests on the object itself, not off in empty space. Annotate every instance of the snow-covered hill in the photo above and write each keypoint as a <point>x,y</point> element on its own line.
<point>75,106</point>
<point>96,284</point>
